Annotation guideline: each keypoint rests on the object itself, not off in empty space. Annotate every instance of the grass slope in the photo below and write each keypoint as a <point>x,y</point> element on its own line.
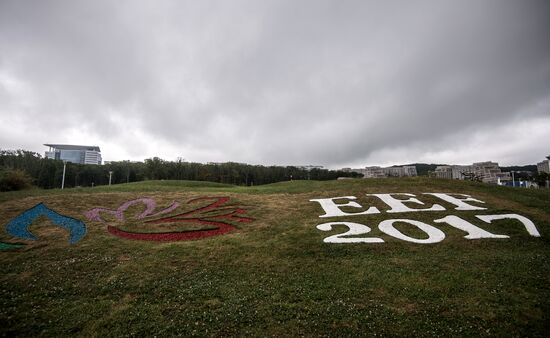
<point>275,276</point>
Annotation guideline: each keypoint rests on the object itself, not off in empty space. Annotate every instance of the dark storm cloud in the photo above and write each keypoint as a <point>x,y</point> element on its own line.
<point>327,82</point>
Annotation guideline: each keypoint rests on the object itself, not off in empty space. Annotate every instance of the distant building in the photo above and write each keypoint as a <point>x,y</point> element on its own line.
<point>74,153</point>
<point>407,170</point>
<point>488,172</point>
<point>544,166</point>
<point>379,172</point>
<point>461,172</point>
<point>444,171</point>
<point>373,172</point>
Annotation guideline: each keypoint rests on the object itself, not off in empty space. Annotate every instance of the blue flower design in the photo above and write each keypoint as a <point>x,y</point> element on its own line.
<point>18,227</point>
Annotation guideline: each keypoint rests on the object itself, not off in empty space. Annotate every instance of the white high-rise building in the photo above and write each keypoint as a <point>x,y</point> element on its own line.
<point>544,166</point>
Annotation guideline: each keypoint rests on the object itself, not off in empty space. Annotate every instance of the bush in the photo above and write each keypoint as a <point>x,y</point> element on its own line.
<point>14,180</point>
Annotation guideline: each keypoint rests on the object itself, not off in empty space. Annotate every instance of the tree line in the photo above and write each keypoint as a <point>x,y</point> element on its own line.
<point>48,173</point>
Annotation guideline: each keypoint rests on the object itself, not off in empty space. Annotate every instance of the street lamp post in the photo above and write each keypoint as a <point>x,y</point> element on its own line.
<point>63,179</point>
<point>513,180</point>
<point>110,175</point>
<point>127,171</point>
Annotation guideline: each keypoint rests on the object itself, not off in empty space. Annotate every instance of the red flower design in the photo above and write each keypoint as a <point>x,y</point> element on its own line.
<point>212,214</point>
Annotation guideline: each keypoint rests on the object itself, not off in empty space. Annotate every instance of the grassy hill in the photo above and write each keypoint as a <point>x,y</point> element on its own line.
<point>273,275</point>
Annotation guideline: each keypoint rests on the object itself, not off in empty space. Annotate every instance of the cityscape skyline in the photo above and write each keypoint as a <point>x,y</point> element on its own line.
<point>91,154</point>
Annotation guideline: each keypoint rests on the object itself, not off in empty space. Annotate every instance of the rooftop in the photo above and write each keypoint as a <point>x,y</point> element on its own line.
<point>72,147</point>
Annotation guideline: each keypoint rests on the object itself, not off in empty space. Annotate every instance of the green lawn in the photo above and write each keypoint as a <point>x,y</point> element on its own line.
<point>274,276</point>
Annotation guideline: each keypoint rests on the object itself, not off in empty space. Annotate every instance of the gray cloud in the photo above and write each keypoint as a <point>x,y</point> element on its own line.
<point>325,82</point>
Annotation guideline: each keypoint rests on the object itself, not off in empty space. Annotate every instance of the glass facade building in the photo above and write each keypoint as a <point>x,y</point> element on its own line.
<point>74,153</point>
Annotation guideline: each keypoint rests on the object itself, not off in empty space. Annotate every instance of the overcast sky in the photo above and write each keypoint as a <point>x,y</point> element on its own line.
<point>333,83</point>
